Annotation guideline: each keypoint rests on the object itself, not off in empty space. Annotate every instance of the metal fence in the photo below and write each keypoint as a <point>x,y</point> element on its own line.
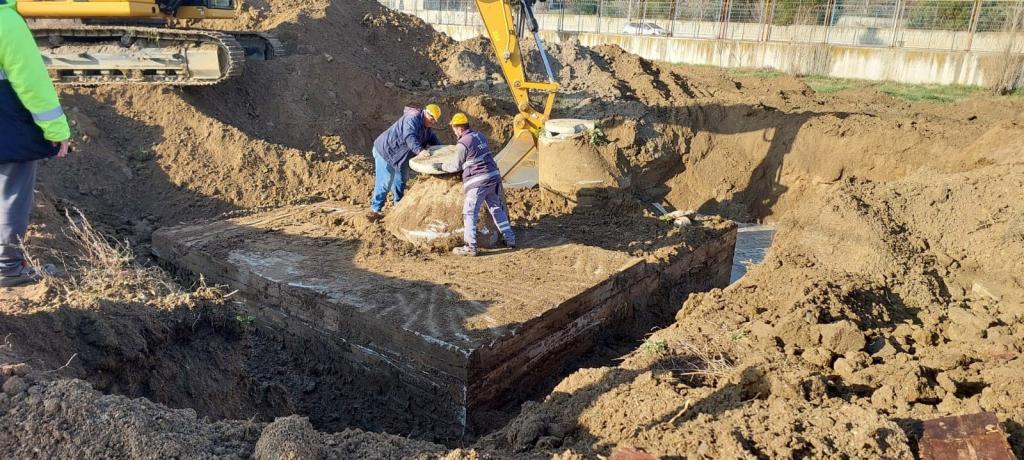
<point>978,25</point>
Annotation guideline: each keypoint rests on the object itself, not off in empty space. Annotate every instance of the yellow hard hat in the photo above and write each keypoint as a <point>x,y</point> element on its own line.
<point>433,110</point>
<point>459,119</point>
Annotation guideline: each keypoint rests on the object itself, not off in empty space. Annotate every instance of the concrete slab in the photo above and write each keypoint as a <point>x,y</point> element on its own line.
<point>458,336</point>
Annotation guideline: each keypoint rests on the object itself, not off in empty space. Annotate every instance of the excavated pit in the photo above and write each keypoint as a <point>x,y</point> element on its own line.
<point>440,341</point>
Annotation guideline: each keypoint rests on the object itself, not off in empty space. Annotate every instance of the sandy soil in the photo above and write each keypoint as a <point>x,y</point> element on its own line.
<point>893,293</point>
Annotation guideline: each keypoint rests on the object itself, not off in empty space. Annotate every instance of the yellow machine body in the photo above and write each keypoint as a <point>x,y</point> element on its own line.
<point>139,9</point>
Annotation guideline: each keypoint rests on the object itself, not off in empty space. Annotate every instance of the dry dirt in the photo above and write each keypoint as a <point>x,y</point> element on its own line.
<point>893,293</point>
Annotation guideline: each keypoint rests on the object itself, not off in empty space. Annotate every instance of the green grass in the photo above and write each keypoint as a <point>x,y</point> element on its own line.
<point>827,85</point>
<point>908,92</point>
<point>934,93</point>
<point>760,73</point>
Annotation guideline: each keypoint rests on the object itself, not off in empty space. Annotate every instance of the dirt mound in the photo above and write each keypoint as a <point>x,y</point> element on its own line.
<point>430,216</point>
<point>66,418</point>
<point>878,303</point>
<point>605,72</point>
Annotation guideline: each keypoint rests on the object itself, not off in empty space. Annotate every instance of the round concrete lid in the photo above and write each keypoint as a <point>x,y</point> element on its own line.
<point>440,154</point>
<point>562,128</point>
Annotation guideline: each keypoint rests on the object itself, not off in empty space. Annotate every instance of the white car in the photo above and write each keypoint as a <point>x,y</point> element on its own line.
<point>644,28</point>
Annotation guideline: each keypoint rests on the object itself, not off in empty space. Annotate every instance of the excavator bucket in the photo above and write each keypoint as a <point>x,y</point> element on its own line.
<point>518,161</point>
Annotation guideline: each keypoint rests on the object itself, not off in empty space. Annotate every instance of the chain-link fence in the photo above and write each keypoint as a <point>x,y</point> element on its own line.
<point>979,25</point>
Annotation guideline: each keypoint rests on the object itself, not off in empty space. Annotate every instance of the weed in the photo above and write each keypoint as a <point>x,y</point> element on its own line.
<point>598,137</point>
<point>654,346</point>
<point>245,320</point>
<point>827,85</point>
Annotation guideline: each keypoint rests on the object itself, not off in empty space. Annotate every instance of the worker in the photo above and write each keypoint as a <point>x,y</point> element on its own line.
<point>407,137</point>
<point>481,183</point>
<point>34,127</point>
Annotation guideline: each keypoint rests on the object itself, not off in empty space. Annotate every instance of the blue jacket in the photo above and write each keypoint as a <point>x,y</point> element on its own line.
<point>31,118</point>
<point>405,138</point>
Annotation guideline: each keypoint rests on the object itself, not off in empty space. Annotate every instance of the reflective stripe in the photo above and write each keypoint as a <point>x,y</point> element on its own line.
<point>3,75</point>
<point>479,179</point>
<point>480,159</point>
<point>48,115</point>
<point>504,226</point>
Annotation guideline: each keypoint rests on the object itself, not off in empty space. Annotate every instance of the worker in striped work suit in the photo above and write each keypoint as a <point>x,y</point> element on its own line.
<point>33,128</point>
<point>481,183</point>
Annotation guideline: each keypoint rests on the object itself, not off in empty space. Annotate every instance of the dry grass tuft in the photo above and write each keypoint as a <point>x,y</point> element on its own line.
<point>101,268</point>
<point>704,362</point>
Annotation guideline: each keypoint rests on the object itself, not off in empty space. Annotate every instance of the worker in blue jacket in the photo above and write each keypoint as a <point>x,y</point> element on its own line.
<point>406,138</point>
<point>34,127</point>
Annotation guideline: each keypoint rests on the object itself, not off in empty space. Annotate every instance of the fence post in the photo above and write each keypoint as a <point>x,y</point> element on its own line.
<point>829,12</point>
<point>975,16</point>
<point>723,18</point>
<point>767,13</point>
<point>896,22</point>
<point>600,8</point>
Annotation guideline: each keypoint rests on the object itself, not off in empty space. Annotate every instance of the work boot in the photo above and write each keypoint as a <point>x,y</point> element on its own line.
<point>509,244</point>
<point>465,251</point>
<point>374,216</point>
<point>21,276</point>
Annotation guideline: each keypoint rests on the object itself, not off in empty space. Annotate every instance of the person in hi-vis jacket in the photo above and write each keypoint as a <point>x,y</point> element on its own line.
<point>34,127</point>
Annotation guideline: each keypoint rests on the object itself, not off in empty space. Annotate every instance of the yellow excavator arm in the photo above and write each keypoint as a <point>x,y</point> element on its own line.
<point>517,161</point>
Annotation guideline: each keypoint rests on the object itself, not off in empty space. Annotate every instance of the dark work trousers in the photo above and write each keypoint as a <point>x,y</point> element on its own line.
<point>17,190</point>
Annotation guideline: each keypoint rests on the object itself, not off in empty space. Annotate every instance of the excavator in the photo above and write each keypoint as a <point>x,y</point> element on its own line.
<point>92,42</point>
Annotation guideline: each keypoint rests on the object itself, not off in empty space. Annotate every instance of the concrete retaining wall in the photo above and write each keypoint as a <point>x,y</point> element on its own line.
<point>867,63</point>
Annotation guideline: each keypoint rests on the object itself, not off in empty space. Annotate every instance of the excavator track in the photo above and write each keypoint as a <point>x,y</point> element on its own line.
<point>103,55</point>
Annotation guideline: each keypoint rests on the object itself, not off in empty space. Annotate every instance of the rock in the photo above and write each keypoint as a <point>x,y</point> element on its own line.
<point>15,385</point>
<point>51,406</point>
<point>20,369</point>
<point>967,325</point>
<point>945,382</point>
<point>923,337</point>
<point>389,85</point>
<point>844,368</point>
<point>882,347</point>
<point>982,290</point>
<point>883,398</point>
<point>328,57</point>
<point>683,222</point>
<point>797,332</point>
<point>818,357</point>
<point>842,337</point>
